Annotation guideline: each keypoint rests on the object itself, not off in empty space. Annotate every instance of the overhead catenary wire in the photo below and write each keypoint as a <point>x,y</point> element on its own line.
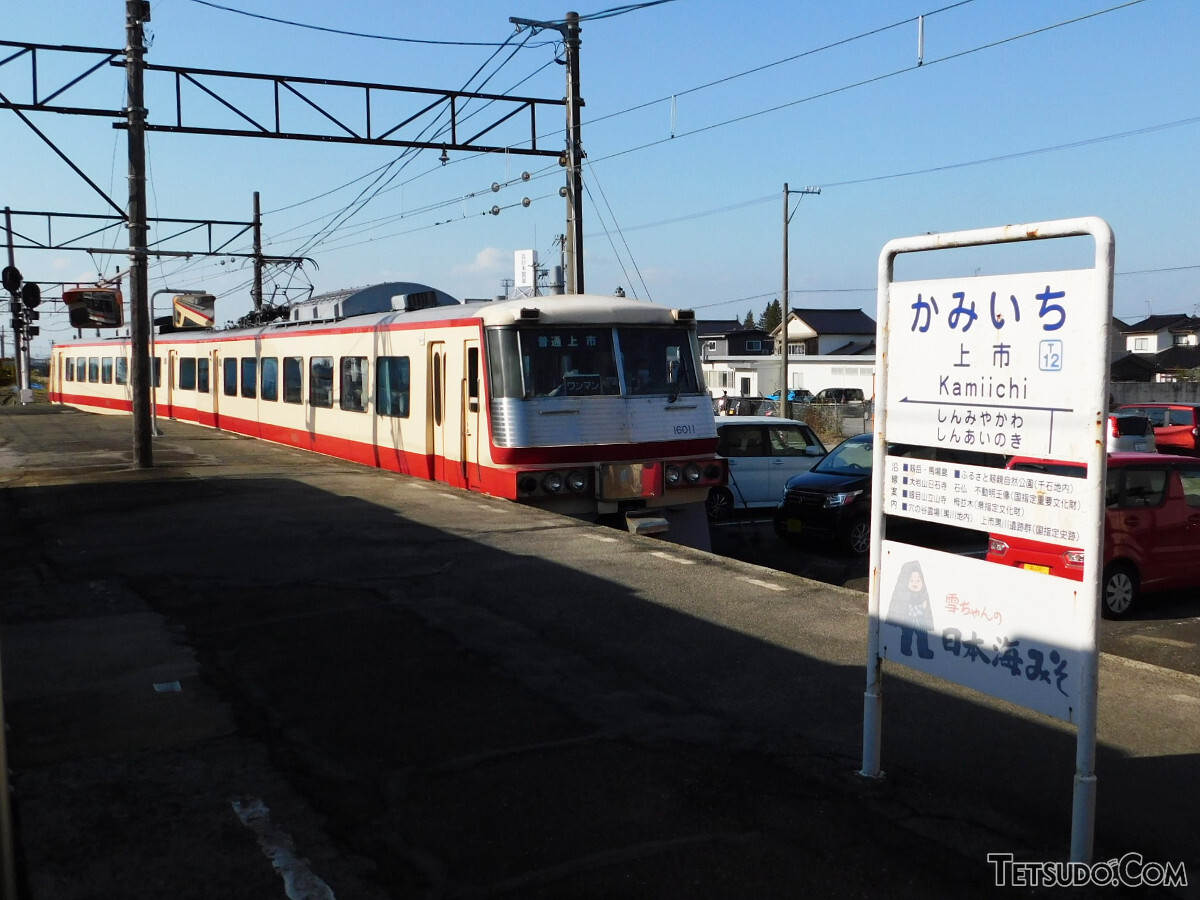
<point>337,227</point>
<point>850,86</point>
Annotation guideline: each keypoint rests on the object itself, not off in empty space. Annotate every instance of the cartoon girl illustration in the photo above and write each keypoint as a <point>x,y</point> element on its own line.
<point>910,610</point>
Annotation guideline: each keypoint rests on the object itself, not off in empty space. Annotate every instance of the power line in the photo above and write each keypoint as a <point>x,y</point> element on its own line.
<point>779,62</point>
<point>867,81</point>
<point>359,34</point>
<point>332,228</point>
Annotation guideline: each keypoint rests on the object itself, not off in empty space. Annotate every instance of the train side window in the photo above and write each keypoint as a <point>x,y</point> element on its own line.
<point>81,369</point>
<point>293,386</point>
<point>473,379</point>
<point>156,371</point>
<point>249,377</point>
<point>391,386</point>
<point>69,368</point>
<point>439,368</point>
<point>106,370</point>
<point>202,375</point>
<point>270,378</point>
<point>354,376</point>
<point>320,381</point>
<point>229,377</point>
<point>187,374</point>
<point>94,369</point>
<point>122,374</point>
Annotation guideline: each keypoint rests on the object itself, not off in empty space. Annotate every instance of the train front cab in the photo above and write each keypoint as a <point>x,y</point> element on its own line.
<point>595,417</point>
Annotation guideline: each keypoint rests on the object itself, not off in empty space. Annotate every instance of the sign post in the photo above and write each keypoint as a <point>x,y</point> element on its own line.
<point>1007,364</point>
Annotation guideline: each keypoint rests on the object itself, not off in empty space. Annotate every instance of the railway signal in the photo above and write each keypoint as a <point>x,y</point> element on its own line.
<point>25,299</point>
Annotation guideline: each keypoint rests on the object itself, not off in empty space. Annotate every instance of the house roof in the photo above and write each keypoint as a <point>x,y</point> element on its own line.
<point>717,326</point>
<point>723,328</point>
<point>1177,358</point>
<point>1187,325</point>
<point>835,321</point>
<point>854,348</point>
<point>1170,321</point>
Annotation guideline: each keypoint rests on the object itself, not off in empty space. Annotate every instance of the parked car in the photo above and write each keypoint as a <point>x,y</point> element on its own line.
<point>763,452</point>
<point>833,499</point>
<point>1176,425</point>
<point>796,395</point>
<point>744,406</point>
<point>839,395</point>
<point>1128,431</point>
<point>1151,529</point>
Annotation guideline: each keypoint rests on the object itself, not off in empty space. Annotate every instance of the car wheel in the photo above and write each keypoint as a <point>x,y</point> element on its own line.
<point>719,504</point>
<point>1118,591</point>
<point>858,537</point>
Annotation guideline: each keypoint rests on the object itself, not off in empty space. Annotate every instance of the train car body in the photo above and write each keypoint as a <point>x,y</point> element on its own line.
<point>584,405</point>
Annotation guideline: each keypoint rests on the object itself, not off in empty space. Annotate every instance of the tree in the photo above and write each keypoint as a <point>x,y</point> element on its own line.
<point>771,316</point>
<point>748,322</point>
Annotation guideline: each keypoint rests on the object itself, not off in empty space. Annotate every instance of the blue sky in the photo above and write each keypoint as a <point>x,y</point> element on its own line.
<point>697,113</point>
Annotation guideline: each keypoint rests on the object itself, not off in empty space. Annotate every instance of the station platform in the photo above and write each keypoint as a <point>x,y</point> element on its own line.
<point>252,672</point>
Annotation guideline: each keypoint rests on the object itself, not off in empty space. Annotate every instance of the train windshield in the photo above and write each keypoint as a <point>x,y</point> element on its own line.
<point>582,360</point>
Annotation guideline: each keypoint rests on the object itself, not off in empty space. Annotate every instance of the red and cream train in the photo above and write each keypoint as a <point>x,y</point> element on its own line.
<point>584,405</point>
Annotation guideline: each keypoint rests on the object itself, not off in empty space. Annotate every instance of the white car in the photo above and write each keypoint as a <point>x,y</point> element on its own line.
<point>763,452</point>
<point>1130,432</point>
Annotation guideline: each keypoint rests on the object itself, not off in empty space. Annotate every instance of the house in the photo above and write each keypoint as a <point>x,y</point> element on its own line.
<point>826,332</point>
<point>828,348</point>
<point>1156,348</point>
<point>732,338</point>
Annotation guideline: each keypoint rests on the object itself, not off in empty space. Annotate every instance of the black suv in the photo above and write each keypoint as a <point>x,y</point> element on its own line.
<point>832,500</point>
<point>839,395</point>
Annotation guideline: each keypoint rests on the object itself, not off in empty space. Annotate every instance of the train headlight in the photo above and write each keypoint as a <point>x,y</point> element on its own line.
<point>577,481</point>
<point>674,474</point>
<point>552,483</point>
<point>527,484</point>
<point>692,473</point>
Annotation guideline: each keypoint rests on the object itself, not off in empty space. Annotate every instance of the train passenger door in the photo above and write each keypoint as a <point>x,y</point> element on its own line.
<point>170,380</point>
<point>435,420</point>
<point>470,415</point>
<point>214,387</point>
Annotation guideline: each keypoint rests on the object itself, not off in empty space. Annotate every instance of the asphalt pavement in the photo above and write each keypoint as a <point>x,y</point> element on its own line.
<point>253,672</point>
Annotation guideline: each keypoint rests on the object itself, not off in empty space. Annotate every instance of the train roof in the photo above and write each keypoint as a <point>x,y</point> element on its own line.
<point>390,296</point>
<point>405,302</point>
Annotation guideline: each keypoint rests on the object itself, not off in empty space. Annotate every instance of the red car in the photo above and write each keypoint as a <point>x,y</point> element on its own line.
<point>1151,529</point>
<point>1176,425</point>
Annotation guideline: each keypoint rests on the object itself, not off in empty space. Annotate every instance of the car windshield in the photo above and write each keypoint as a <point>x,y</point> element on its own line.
<point>852,457</point>
<point>1156,414</point>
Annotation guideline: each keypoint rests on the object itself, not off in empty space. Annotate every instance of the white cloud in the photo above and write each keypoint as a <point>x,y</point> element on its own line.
<point>487,260</point>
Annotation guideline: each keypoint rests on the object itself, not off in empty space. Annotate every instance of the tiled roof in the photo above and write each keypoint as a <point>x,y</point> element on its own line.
<point>836,321</point>
<point>1152,324</point>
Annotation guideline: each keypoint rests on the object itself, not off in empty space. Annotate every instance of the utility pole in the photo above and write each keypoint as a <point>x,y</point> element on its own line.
<point>573,158</point>
<point>258,257</point>
<point>137,12</point>
<point>783,355</point>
